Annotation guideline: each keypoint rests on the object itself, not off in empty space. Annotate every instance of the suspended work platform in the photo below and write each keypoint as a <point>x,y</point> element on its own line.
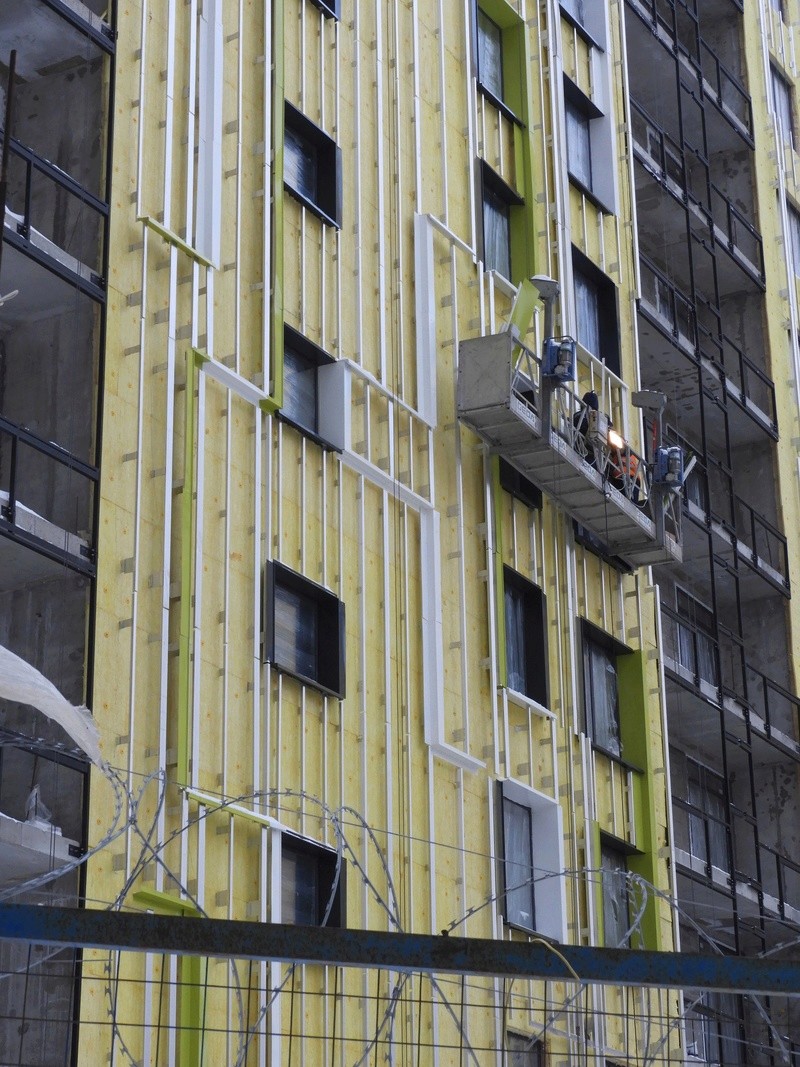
<point>571,439</point>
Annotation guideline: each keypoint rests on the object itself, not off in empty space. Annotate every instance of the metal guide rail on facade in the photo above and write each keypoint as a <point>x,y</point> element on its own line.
<point>551,432</point>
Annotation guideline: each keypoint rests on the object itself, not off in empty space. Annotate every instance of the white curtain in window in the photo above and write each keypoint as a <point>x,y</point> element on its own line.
<point>496,238</point>
<point>300,165</point>
<point>579,153</point>
<point>515,640</point>
<point>518,864</point>
<point>587,313</point>
<point>490,55</point>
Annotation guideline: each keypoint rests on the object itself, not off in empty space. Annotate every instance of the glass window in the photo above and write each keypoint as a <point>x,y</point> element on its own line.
<point>518,843</point>
<point>296,632</point>
<point>713,1034</point>
<point>308,874</point>
<point>616,918</point>
<point>579,152</point>
<point>523,1051</point>
<point>587,312</point>
<point>299,389</point>
<point>515,639</point>
<point>602,700</point>
<point>794,238</point>
<point>708,835</point>
<point>526,641</point>
<point>782,105</point>
<point>490,55</point>
<point>300,164</point>
<point>696,646</point>
<point>496,233</point>
<point>304,629</point>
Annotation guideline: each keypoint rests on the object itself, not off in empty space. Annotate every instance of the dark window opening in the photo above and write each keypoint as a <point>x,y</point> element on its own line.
<point>519,486</point>
<point>304,630</point>
<point>312,166</point>
<point>490,55</point>
<point>526,637</point>
<point>498,199</point>
<point>596,311</point>
<point>308,876</point>
<point>616,909</point>
<point>329,8</point>
<point>523,1051</point>
<point>517,868</point>
<point>302,360</point>
<point>601,696</point>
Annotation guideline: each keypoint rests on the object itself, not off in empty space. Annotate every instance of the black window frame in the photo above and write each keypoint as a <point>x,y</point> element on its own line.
<point>330,629</point>
<point>520,487</point>
<point>329,8</point>
<point>501,191</point>
<point>326,858</point>
<point>504,789</point>
<point>592,635</point>
<point>327,202</point>
<point>607,310</point>
<point>315,357</point>
<point>534,603</point>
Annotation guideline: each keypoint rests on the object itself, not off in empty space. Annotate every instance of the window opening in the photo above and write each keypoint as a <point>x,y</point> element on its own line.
<point>616,910</point>
<point>601,696</point>
<point>308,874</point>
<point>490,55</point>
<point>518,865</point>
<point>783,105</point>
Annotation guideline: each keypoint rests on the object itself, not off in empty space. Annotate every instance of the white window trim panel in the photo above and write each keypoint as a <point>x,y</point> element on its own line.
<point>335,405</point>
<point>208,226</point>
<point>550,891</point>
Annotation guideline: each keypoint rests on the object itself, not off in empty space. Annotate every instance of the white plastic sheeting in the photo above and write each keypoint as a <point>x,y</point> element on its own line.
<point>21,682</point>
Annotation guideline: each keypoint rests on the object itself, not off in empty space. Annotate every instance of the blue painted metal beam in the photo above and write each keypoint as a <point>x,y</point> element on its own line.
<point>85,928</point>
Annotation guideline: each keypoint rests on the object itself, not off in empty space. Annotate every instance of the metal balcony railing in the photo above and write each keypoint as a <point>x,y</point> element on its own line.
<point>656,148</point>
<point>664,302</point>
<point>777,707</point>
<point>46,496</point>
<point>547,431</point>
<point>741,238</point>
<point>780,879</point>
<point>726,90</point>
<point>673,312</point>
<point>768,548</point>
<point>702,835</point>
<point>55,216</point>
<point>719,83</point>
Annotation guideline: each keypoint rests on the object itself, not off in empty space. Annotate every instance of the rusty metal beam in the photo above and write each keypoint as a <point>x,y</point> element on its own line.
<point>85,928</point>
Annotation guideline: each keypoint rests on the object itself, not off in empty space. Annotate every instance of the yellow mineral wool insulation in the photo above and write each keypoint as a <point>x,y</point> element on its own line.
<point>21,682</point>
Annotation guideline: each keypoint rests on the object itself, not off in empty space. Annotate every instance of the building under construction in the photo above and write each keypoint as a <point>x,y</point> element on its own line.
<point>399,421</point>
